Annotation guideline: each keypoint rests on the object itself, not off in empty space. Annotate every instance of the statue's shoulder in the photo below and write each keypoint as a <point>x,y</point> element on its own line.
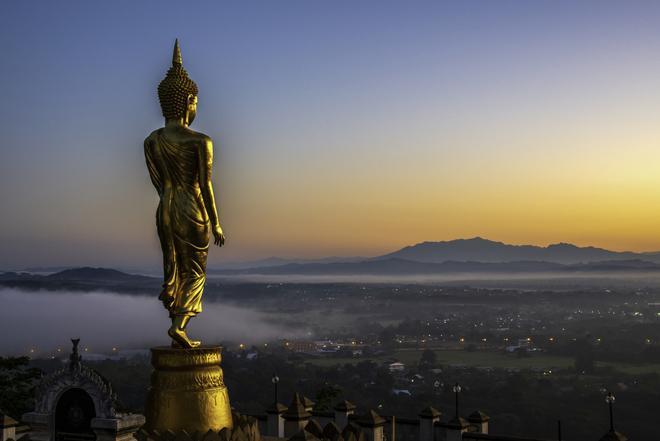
<point>152,136</point>
<point>198,135</point>
<point>200,138</point>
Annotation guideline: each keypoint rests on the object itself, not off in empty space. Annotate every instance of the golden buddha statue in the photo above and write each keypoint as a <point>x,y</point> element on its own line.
<point>180,161</point>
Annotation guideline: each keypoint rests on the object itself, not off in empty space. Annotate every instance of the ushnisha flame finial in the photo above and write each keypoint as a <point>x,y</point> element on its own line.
<point>177,60</point>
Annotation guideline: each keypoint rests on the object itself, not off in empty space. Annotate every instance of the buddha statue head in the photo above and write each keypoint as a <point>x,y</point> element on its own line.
<point>177,92</point>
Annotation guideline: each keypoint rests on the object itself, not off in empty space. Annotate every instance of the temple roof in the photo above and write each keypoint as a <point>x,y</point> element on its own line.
<point>345,405</point>
<point>276,408</point>
<point>7,421</point>
<point>303,435</point>
<point>331,431</point>
<point>352,432</point>
<point>76,374</point>
<point>307,402</point>
<point>613,435</point>
<point>457,423</point>
<point>478,417</point>
<point>430,412</point>
<point>371,419</point>
<point>296,410</point>
<point>314,428</point>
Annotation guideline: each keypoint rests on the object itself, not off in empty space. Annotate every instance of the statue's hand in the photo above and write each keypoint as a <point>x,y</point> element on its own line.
<point>219,236</point>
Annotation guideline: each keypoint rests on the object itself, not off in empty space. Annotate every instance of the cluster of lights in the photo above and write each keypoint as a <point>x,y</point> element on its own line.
<point>609,398</point>
<point>34,350</point>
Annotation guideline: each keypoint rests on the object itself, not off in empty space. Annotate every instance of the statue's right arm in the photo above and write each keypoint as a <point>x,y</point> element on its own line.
<point>206,187</point>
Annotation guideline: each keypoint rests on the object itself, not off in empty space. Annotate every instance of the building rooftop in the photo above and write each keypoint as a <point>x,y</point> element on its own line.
<point>371,419</point>
<point>613,435</point>
<point>314,428</point>
<point>276,408</point>
<point>344,406</point>
<point>331,431</point>
<point>456,423</point>
<point>307,402</point>
<point>478,417</point>
<point>297,409</point>
<point>7,421</point>
<point>430,412</point>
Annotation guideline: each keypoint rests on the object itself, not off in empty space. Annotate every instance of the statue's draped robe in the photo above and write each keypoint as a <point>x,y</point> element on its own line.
<point>182,221</point>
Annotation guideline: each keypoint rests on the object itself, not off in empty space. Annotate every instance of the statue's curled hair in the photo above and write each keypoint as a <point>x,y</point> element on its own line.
<point>173,92</point>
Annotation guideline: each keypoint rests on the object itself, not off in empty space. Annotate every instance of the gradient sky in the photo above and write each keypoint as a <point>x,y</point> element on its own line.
<point>341,128</point>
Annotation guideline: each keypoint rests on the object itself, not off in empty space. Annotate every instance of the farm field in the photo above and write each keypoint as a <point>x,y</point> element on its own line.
<point>492,359</point>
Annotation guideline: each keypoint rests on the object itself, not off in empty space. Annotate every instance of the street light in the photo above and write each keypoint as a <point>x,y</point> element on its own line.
<point>558,430</point>
<point>436,386</point>
<point>275,380</point>
<point>457,389</point>
<point>609,399</point>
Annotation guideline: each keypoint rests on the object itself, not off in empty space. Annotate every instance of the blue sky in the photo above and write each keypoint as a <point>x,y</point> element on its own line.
<point>342,128</point>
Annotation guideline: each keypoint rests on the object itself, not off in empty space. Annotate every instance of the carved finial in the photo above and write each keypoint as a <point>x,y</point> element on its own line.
<point>74,358</point>
<point>177,60</point>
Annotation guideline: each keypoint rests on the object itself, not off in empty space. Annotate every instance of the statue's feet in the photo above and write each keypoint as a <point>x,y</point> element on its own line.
<point>180,338</point>
<point>193,343</point>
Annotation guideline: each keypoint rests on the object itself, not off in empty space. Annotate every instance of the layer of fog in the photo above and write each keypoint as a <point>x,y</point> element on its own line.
<point>45,320</point>
<point>592,279</point>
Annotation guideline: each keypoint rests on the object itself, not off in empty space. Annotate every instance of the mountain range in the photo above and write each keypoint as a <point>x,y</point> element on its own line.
<point>110,280</point>
<point>476,255</point>
<point>464,256</point>
<point>484,250</point>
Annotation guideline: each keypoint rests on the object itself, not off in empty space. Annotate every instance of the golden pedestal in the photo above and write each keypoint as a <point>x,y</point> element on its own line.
<point>187,391</point>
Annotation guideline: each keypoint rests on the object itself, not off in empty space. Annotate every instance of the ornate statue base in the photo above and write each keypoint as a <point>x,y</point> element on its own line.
<point>187,391</point>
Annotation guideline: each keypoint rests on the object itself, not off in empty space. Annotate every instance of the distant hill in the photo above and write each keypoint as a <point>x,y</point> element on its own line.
<point>484,250</point>
<point>83,279</point>
<point>89,273</point>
